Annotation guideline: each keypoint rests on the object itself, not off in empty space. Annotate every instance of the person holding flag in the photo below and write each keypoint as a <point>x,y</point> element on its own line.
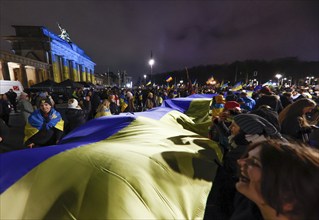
<point>44,126</point>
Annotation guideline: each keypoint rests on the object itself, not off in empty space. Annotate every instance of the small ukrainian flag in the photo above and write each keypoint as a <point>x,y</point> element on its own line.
<point>169,79</point>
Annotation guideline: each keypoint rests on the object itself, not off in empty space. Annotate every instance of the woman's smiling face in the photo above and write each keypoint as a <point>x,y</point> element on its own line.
<point>250,176</point>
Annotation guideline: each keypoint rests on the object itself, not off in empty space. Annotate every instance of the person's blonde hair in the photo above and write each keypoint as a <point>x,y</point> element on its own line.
<point>296,110</point>
<point>103,105</point>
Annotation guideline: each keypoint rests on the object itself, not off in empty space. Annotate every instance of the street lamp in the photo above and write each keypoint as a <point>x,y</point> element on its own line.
<point>278,76</point>
<point>151,63</point>
<point>310,79</point>
<point>144,78</point>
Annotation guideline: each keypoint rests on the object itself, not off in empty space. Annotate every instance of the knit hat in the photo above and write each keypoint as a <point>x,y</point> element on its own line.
<point>45,100</point>
<point>231,105</point>
<point>254,124</point>
<point>73,103</point>
<point>219,99</point>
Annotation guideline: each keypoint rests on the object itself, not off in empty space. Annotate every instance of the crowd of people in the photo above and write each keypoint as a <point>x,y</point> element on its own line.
<point>269,139</point>
<point>270,143</point>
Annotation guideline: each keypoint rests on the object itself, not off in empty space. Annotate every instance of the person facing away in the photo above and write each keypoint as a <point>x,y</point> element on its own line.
<point>249,103</point>
<point>25,106</point>
<point>282,179</point>
<point>267,97</point>
<point>75,116</point>
<point>217,105</point>
<point>115,109</point>
<point>44,127</point>
<point>103,109</point>
<point>5,109</point>
<point>286,99</point>
<point>293,120</point>
<point>12,97</point>
<point>130,102</point>
<point>150,102</point>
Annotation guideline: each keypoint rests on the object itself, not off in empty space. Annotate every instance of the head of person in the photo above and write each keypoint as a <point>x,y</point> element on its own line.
<point>106,103</point>
<point>112,98</point>
<point>73,103</point>
<point>232,105</point>
<point>219,99</point>
<point>243,94</point>
<point>267,113</point>
<point>231,109</point>
<point>23,95</point>
<point>45,105</point>
<point>283,176</point>
<point>230,96</point>
<point>298,109</point>
<point>103,106</point>
<point>150,95</point>
<point>307,105</point>
<point>265,91</point>
<point>249,128</point>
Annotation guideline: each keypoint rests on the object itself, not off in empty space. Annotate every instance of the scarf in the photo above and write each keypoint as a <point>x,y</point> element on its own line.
<point>39,121</point>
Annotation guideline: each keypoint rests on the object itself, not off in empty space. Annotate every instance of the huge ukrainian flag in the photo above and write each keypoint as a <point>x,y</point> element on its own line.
<point>150,165</point>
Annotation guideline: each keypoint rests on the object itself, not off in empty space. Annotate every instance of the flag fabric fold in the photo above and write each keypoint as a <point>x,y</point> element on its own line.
<point>152,165</point>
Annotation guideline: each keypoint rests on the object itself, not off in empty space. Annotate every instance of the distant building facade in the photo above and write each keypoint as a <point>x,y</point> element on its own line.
<point>40,54</point>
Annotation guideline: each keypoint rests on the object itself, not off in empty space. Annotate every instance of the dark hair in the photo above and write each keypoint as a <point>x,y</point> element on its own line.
<point>290,175</point>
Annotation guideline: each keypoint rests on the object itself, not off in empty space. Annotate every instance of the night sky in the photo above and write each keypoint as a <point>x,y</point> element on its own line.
<point>119,35</point>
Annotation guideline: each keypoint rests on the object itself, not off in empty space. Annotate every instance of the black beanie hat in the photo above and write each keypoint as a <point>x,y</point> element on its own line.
<point>45,100</point>
<point>254,124</point>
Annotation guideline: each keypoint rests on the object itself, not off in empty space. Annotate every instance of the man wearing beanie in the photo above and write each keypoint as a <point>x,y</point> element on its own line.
<point>44,126</point>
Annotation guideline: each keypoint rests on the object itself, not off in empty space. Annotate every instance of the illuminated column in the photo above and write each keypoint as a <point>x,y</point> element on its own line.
<point>66,69</point>
<point>56,68</point>
<point>83,73</point>
<point>74,71</point>
<point>23,76</point>
<point>92,77</point>
<point>88,77</point>
<point>38,75</point>
<point>4,70</point>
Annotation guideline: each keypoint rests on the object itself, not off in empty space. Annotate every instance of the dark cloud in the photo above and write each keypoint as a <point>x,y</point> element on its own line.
<point>121,34</point>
